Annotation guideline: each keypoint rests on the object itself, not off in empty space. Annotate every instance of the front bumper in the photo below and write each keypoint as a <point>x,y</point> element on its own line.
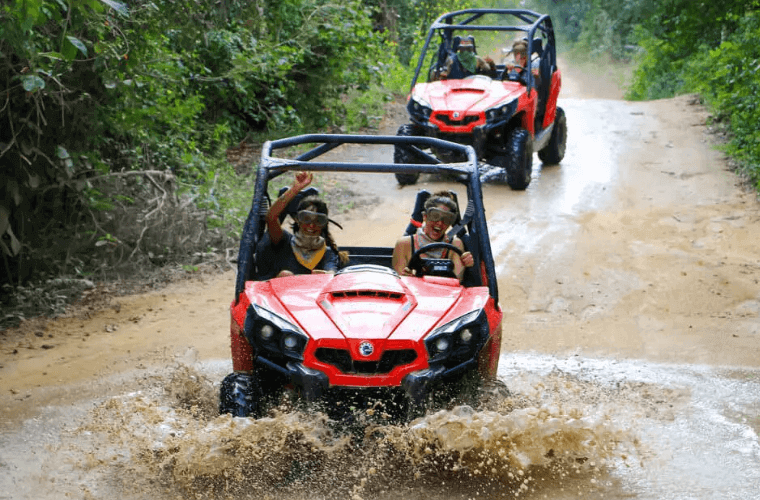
<point>477,138</point>
<point>417,386</point>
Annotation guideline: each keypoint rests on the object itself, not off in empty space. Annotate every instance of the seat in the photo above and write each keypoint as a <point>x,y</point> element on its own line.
<point>538,47</point>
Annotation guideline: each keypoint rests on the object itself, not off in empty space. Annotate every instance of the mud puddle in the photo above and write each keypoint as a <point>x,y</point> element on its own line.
<point>572,428</point>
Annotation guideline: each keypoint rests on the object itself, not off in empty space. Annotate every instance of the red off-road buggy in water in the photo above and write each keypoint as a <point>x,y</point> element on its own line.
<point>505,115</point>
<point>366,338</point>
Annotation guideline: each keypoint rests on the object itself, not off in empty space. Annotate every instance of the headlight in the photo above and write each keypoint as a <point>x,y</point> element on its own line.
<point>442,344</point>
<point>465,335</point>
<point>419,108</point>
<point>270,332</point>
<point>459,340</point>
<point>501,112</point>
<point>290,342</point>
<point>267,332</point>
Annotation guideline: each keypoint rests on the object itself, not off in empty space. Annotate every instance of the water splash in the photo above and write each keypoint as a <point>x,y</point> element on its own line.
<point>500,452</point>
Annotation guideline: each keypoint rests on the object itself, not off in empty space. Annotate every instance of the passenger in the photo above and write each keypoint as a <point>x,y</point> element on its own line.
<point>520,54</point>
<point>470,63</point>
<point>439,215</point>
<point>310,249</point>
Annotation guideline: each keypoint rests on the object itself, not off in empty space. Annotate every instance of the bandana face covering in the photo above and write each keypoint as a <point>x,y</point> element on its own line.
<point>308,250</point>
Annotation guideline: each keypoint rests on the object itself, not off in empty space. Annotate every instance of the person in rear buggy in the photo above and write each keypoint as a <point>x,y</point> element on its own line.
<point>471,64</point>
<point>309,249</point>
<point>516,69</point>
<point>440,213</point>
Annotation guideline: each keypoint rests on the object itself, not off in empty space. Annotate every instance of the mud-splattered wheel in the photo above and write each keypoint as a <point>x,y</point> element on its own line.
<point>553,152</point>
<point>518,162</point>
<point>240,395</point>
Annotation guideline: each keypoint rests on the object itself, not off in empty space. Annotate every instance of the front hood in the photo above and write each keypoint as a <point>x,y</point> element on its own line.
<point>467,96</point>
<point>362,305</point>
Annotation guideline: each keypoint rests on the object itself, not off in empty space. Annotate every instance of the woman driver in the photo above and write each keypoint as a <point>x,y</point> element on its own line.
<point>440,213</point>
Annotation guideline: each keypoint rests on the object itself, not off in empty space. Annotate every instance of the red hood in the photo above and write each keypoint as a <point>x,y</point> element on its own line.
<point>468,96</point>
<point>365,305</point>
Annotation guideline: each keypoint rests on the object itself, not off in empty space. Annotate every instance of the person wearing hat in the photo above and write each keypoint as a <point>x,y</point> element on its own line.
<point>470,62</point>
<point>515,69</point>
<point>310,248</point>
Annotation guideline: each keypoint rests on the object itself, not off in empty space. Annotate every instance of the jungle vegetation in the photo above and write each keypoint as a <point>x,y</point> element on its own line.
<point>128,128</point>
<point>680,47</point>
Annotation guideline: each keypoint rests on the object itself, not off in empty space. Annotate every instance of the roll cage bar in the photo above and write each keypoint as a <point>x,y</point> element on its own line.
<point>270,167</point>
<point>446,25</point>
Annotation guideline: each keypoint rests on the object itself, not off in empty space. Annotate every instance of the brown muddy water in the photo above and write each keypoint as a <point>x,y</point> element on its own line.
<point>572,427</point>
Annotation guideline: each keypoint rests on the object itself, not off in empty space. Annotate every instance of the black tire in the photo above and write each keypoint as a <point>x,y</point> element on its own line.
<point>240,395</point>
<point>518,163</point>
<point>401,156</point>
<point>554,152</point>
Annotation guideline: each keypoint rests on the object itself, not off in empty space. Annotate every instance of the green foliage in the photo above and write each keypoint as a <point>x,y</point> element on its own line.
<point>51,94</point>
<point>599,27</point>
<point>680,46</point>
<point>727,79</point>
<point>658,73</point>
<point>677,31</point>
<point>95,88</point>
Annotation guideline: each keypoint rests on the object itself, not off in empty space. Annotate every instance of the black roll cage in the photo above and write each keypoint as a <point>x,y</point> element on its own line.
<point>446,25</point>
<point>270,167</point>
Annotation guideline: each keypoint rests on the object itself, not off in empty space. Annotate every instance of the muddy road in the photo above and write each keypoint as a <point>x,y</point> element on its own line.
<point>630,280</point>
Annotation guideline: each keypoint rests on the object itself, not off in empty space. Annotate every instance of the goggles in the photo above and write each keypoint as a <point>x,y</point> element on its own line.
<point>308,217</point>
<point>436,214</point>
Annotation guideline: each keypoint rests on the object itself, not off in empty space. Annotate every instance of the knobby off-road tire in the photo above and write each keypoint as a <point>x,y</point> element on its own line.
<point>240,395</point>
<point>518,163</point>
<point>401,156</point>
<point>554,152</point>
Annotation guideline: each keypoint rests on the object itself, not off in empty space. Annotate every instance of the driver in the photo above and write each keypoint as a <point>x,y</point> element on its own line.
<point>440,213</point>
<point>520,53</point>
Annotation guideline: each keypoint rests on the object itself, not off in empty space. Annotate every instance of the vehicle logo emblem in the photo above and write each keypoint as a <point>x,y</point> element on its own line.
<point>366,348</point>
<point>456,114</point>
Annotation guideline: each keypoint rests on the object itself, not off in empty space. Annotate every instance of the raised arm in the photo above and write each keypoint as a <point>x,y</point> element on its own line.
<point>302,179</point>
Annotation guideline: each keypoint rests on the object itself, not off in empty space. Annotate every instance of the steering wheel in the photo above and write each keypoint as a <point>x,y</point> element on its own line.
<point>507,74</point>
<point>433,267</point>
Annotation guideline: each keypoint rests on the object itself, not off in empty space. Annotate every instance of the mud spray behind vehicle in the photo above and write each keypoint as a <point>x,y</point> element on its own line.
<point>470,99</point>
<point>366,339</point>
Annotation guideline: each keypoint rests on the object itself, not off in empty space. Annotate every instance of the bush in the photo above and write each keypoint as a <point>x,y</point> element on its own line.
<point>727,79</point>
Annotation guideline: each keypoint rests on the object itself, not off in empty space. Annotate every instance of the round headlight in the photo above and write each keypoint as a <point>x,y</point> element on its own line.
<point>466,335</point>
<point>290,342</point>
<point>267,331</point>
<point>442,344</point>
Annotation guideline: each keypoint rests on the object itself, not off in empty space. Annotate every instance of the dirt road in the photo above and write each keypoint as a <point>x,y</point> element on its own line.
<point>630,280</point>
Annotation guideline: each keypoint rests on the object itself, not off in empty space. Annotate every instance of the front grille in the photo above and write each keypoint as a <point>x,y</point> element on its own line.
<point>456,123</point>
<point>341,359</point>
